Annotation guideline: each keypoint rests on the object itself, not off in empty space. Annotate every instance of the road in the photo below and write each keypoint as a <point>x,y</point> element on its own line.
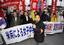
<point>56,39</point>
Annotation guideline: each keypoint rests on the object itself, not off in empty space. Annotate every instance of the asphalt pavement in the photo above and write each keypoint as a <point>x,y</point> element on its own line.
<point>56,39</point>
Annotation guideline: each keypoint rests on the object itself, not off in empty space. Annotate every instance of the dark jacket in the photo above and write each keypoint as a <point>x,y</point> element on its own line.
<point>24,21</point>
<point>38,36</point>
<point>45,17</point>
<point>29,20</point>
<point>7,19</point>
<point>13,22</point>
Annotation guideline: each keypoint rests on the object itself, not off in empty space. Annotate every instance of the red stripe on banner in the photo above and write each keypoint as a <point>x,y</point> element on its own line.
<point>21,4</point>
<point>7,3</point>
<point>34,4</point>
<point>53,7</point>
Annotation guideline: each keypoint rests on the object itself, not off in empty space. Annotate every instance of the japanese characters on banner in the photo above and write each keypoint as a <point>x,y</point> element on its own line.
<point>34,4</point>
<point>18,33</point>
<point>53,7</point>
<point>23,32</point>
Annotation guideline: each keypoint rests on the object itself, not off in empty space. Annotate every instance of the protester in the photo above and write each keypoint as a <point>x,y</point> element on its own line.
<point>32,15</point>
<point>22,17</point>
<point>35,13</point>
<point>1,13</point>
<point>15,20</point>
<point>53,17</point>
<point>6,17</point>
<point>60,17</point>
<point>29,13</point>
<point>27,18</point>
<point>39,30</point>
<point>45,16</point>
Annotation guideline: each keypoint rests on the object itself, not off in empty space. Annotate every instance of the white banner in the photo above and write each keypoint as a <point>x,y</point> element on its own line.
<point>17,33</point>
<point>23,32</point>
<point>53,27</point>
<point>27,2</point>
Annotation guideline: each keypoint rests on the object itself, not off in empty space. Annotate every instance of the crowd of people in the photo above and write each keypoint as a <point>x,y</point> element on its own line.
<point>23,17</point>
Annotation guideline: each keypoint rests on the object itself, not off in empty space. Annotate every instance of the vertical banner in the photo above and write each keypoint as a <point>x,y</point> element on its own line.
<point>42,4</point>
<point>34,4</point>
<point>21,4</point>
<point>53,7</point>
<point>45,3</point>
<point>27,5</point>
<point>31,4</point>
